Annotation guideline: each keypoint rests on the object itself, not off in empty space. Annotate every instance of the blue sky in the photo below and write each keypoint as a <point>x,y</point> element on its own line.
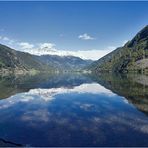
<point>73,26</point>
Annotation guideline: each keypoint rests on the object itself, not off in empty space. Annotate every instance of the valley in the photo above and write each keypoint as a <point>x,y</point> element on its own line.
<point>131,58</point>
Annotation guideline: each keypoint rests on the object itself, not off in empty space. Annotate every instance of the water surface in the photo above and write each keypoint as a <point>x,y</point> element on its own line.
<point>74,110</point>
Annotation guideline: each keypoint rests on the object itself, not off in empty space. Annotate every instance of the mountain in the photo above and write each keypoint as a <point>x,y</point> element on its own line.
<point>19,62</point>
<point>64,62</point>
<point>132,57</point>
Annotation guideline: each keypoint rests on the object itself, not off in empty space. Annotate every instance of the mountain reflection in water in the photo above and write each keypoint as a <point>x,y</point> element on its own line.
<point>74,110</point>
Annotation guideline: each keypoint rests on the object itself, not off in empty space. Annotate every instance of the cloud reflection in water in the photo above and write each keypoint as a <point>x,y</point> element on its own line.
<point>85,115</point>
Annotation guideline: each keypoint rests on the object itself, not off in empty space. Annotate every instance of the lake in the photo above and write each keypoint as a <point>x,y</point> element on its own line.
<point>74,110</point>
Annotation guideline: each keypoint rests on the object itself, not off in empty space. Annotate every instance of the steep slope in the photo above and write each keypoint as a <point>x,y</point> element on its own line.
<point>64,62</point>
<point>20,62</point>
<point>12,60</point>
<point>131,57</point>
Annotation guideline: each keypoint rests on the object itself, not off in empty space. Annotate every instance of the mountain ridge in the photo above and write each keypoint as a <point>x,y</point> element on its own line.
<point>64,62</point>
<point>18,62</point>
<point>13,61</point>
<point>126,58</point>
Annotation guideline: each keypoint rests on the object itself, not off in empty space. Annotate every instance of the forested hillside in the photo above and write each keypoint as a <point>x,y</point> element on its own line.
<point>132,57</point>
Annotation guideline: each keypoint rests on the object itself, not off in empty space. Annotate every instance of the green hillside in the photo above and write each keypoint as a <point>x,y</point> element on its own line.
<point>132,57</point>
<point>12,61</point>
<point>19,62</point>
<point>66,63</point>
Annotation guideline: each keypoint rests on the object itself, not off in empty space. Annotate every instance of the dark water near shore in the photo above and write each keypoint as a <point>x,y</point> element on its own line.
<point>74,110</point>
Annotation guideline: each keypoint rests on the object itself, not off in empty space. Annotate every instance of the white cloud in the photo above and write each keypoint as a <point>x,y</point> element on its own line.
<point>92,54</point>
<point>49,48</point>
<point>46,45</point>
<point>26,45</point>
<point>111,47</point>
<point>6,39</point>
<point>23,46</point>
<point>43,49</point>
<point>85,36</point>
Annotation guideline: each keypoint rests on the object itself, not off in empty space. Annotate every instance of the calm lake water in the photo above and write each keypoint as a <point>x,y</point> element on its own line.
<point>74,110</point>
